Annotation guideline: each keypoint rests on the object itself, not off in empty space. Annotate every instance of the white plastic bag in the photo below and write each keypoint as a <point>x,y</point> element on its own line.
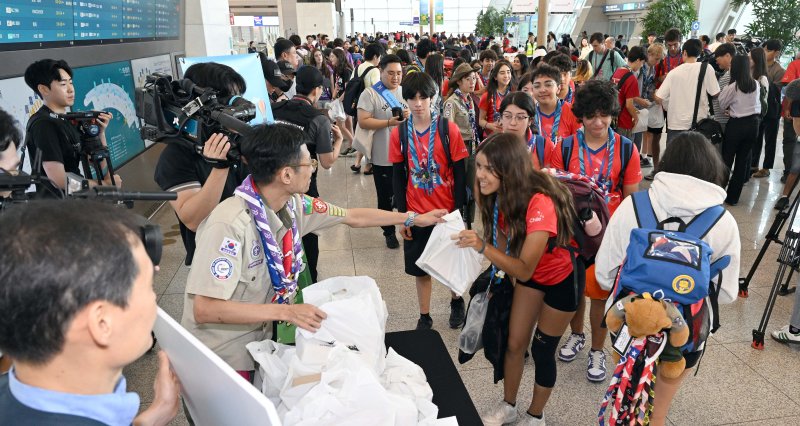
<point>457,268</point>
<point>336,110</point>
<point>273,366</point>
<point>470,341</point>
<point>641,125</point>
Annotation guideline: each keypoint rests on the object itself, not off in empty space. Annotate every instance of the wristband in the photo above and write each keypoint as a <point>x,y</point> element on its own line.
<point>483,247</point>
<point>410,220</point>
<point>219,164</point>
<point>388,121</point>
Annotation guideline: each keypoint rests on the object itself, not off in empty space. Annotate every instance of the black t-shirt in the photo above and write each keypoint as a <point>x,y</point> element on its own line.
<point>58,140</point>
<point>179,168</point>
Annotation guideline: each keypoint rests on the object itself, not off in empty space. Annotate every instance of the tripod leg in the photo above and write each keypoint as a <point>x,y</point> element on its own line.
<point>788,251</point>
<point>744,283</point>
<point>785,290</point>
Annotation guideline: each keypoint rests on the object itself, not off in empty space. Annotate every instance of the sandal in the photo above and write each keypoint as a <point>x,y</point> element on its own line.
<point>356,169</point>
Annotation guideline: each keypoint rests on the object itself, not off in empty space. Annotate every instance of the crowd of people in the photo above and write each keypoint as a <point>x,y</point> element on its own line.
<point>442,124</point>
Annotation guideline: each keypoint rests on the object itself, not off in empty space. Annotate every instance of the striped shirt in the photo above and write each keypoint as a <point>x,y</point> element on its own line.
<point>719,113</point>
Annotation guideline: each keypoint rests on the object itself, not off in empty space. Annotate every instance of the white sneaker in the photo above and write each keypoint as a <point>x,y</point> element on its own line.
<point>572,347</point>
<point>784,335</point>
<point>596,371</point>
<point>502,413</point>
<point>528,420</point>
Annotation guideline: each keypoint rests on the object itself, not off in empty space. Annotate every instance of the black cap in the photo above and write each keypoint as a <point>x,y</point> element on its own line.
<point>286,68</point>
<point>308,78</point>
<point>272,73</point>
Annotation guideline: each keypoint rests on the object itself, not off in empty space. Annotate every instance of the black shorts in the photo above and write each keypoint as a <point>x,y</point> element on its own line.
<point>565,295</point>
<point>692,358</point>
<point>413,249</point>
<point>655,130</point>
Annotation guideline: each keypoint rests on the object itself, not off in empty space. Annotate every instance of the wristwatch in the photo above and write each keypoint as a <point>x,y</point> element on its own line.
<point>410,220</point>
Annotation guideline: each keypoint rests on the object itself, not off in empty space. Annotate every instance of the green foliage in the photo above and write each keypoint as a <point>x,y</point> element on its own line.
<point>490,22</point>
<point>778,19</point>
<point>665,14</point>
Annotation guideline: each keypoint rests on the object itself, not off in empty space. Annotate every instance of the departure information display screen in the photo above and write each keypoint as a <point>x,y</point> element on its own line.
<point>34,24</point>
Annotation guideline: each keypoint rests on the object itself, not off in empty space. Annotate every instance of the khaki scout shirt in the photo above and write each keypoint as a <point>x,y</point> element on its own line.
<point>230,264</point>
<point>456,112</point>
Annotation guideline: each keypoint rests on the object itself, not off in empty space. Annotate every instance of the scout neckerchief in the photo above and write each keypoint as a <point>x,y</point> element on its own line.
<point>471,114</point>
<point>496,273</point>
<point>387,95</point>
<point>570,92</point>
<point>603,181</point>
<point>497,99</point>
<point>424,176</point>
<point>419,64</point>
<point>556,121</point>
<point>668,63</point>
<point>283,269</point>
<point>484,79</point>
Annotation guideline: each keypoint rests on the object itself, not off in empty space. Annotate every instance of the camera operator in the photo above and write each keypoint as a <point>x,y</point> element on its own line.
<point>57,139</point>
<point>9,141</point>
<point>71,323</point>
<point>319,130</point>
<point>201,182</point>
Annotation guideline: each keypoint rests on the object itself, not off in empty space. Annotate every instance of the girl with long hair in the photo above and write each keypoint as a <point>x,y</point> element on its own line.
<point>758,64</point>
<point>583,72</point>
<point>527,220</point>
<point>342,72</point>
<point>741,98</point>
<point>516,113</point>
<point>319,61</point>
<point>434,67</point>
<point>519,67</point>
<point>499,87</point>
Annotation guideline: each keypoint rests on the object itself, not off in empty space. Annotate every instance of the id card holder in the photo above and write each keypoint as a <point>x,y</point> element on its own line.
<point>623,341</point>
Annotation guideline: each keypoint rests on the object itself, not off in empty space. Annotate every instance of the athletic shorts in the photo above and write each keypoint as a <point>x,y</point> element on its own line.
<point>593,290</point>
<point>565,295</point>
<point>413,249</point>
<point>655,130</point>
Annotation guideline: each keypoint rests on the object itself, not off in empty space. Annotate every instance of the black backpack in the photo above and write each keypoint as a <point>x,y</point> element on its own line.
<point>352,91</point>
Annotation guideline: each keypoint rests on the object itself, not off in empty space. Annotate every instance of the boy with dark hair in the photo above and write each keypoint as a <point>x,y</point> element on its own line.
<point>628,87</point>
<point>488,59</point>
<point>564,65</point>
<point>603,60</point>
<point>672,39</point>
<point>723,55</point>
<point>718,39</point>
<point>428,173</point>
<point>10,139</point>
<point>731,35</point>
<point>424,48</point>
<point>58,141</point>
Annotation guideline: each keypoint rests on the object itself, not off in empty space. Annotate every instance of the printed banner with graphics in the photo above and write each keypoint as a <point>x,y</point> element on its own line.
<point>424,11</point>
<point>438,12</point>
<point>414,12</point>
<point>249,67</point>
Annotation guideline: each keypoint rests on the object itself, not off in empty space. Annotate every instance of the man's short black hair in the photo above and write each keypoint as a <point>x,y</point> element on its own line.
<point>562,62</point>
<point>705,39</point>
<point>692,48</point>
<point>672,35</point>
<point>596,97</point>
<point>424,47</point>
<point>725,49</point>
<point>295,39</point>
<point>774,45</point>
<point>58,257</point>
<point>637,53</point>
<point>373,50</point>
<point>732,31</point>
<point>9,133</point>
<point>720,35</point>
<point>220,77</point>
<point>545,70</point>
<point>598,37</point>
<point>282,45</point>
<point>549,55</point>
<point>419,82</point>
<point>488,54</point>
<point>45,72</point>
<point>389,59</point>
<point>337,42</point>
<point>270,147</point>
<point>690,153</point>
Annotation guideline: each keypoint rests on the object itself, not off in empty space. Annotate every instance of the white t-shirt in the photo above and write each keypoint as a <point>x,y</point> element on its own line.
<point>371,78</point>
<point>678,94</point>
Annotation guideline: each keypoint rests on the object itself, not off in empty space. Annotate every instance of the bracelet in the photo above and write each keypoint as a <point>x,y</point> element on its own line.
<point>483,247</point>
<point>410,220</point>
<point>388,121</point>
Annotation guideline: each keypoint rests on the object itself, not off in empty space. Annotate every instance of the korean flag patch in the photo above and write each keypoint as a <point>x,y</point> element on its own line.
<point>230,247</point>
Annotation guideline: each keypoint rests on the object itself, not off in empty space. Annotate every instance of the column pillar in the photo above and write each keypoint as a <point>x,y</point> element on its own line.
<point>287,13</point>
<point>208,28</point>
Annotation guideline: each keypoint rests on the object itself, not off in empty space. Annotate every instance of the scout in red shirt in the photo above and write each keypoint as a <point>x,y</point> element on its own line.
<point>628,86</point>
<point>553,117</point>
<point>425,175</point>
<point>672,39</point>
<point>597,152</point>
<point>527,219</point>
<point>516,115</point>
<point>498,87</point>
<point>566,91</point>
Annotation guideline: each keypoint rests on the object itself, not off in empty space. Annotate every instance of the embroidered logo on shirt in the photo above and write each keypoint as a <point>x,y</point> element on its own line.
<point>320,206</point>
<point>221,268</point>
<point>230,247</point>
<point>255,263</point>
<point>307,205</point>
<point>255,252</point>
<point>538,217</point>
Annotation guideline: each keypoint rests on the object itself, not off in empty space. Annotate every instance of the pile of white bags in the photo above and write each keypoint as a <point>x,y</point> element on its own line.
<point>342,374</point>
<point>457,268</point>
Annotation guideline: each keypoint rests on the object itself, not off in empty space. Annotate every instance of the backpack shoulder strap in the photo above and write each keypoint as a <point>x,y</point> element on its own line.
<point>623,79</point>
<point>566,151</point>
<point>366,71</point>
<point>645,216</point>
<point>625,157</point>
<point>444,136</point>
<point>539,142</point>
<point>700,80</point>
<point>402,132</point>
<point>702,223</point>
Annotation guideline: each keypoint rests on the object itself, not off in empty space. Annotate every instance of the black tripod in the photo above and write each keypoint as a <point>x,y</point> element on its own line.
<point>787,260</point>
<point>773,236</point>
<point>93,153</point>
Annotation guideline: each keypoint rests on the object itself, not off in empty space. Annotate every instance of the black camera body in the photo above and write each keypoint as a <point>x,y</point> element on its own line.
<point>180,111</point>
<point>88,127</point>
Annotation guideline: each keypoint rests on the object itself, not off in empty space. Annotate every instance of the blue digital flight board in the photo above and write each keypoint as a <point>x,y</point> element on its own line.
<point>35,24</point>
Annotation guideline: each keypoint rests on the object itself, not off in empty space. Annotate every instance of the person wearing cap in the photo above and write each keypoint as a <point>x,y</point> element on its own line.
<point>459,107</point>
<point>285,51</point>
<point>324,138</point>
<point>278,82</point>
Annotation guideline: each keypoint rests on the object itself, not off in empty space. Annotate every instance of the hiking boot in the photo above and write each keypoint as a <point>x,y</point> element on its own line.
<point>596,371</point>
<point>572,346</point>
<point>391,241</point>
<point>457,314</point>
<point>782,203</point>
<point>785,335</point>
<point>528,420</point>
<point>651,176</point>
<point>424,322</point>
<point>761,173</point>
<point>502,413</point>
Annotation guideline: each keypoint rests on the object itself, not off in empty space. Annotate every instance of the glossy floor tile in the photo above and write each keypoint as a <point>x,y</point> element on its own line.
<point>735,384</point>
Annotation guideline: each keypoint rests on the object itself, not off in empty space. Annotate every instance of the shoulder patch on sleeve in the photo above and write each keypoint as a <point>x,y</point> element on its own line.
<point>221,268</point>
<point>448,109</point>
<point>320,206</point>
<point>230,247</point>
<point>336,211</point>
<point>307,205</point>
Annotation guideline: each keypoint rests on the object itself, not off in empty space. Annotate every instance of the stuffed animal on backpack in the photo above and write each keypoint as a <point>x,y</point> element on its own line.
<point>646,316</point>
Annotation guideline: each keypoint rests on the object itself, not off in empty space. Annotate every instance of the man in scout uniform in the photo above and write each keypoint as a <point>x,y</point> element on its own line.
<point>249,263</point>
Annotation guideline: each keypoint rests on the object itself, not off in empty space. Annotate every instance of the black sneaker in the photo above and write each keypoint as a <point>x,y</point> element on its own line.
<point>391,242</point>
<point>782,203</point>
<point>425,323</point>
<point>457,314</point>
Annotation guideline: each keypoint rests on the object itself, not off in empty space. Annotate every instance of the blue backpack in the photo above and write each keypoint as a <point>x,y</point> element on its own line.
<point>674,266</point>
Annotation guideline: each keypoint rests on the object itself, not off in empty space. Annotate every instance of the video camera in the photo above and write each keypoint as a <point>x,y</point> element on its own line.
<point>180,111</point>
<point>86,123</point>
